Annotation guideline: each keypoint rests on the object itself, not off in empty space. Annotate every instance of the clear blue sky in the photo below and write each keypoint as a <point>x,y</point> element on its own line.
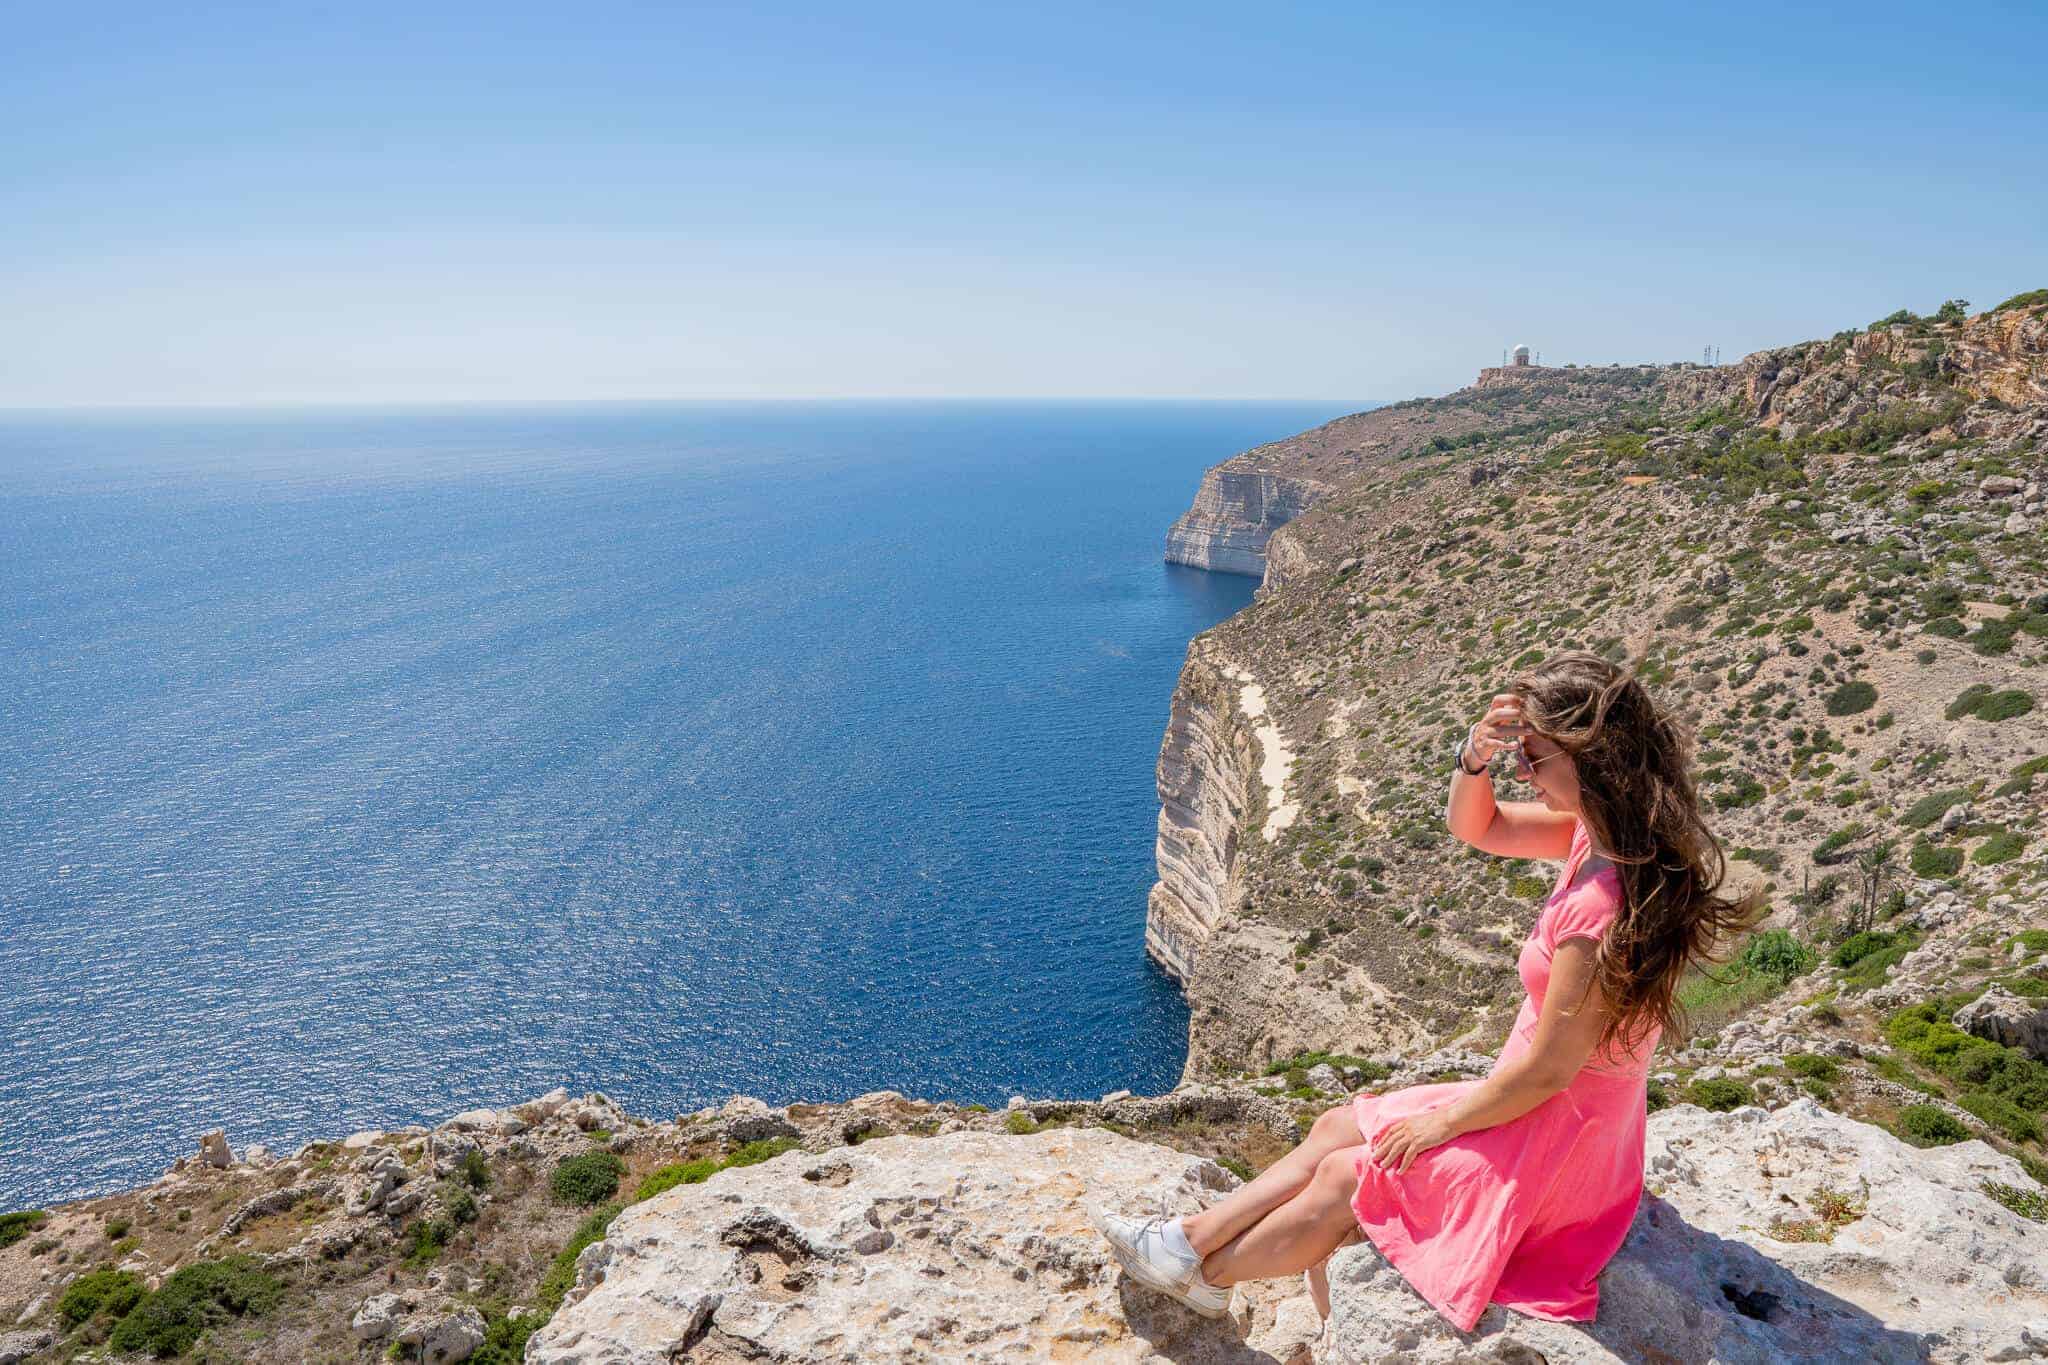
<point>213,204</point>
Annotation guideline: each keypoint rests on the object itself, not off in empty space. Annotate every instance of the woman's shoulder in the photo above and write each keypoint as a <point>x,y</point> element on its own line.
<point>1586,907</point>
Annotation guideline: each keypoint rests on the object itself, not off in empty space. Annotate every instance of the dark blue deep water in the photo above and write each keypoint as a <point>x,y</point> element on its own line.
<point>365,767</point>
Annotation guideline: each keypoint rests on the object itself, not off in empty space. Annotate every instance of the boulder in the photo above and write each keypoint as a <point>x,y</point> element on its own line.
<point>213,1150</point>
<point>443,1335</point>
<point>16,1347</point>
<point>377,1317</point>
<point>969,1247</point>
<point>2006,1018</point>
<point>1701,1278</point>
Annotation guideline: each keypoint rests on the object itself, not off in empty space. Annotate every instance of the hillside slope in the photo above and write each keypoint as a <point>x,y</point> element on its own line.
<point>1829,557</point>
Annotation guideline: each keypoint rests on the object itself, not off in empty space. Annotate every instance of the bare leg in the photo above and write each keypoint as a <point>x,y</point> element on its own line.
<point>1213,1227</point>
<point>1298,1234</point>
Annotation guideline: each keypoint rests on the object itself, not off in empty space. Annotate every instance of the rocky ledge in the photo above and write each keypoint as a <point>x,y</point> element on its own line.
<point>1793,1235</point>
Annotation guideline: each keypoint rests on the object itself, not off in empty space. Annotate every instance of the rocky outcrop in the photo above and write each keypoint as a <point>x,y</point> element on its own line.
<point>968,1247</point>
<point>1236,511</point>
<point>1798,1235</point>
<point>2006,1018</point>
<point>1205,764</point>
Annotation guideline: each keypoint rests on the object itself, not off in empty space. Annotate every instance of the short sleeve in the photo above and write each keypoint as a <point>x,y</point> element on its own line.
<point>1587,909</point>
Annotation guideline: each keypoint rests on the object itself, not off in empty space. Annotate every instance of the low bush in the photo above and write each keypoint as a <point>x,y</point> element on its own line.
<point>2004,705</point>
<point>2001,847</point>
<point>2026,1203</point>
<point>1928,809</point>
<point>15,1226</point>
<point>1719,1094</point>
<point>1777,954</point>
<point>666,1178</point>
<point>1930,860</point>
<point>1923,1125</point>
<point>1998,1112</point>
<point>473,1170</point>
<point>2033,298</point>
<point>108,1291</point>
<point>1813,1065</point>
<point>587,1178</point>
<point>1851,698</point>
<point>760,1150</point>
<point>170,1320</point>
<point>1924,1033</point>
<point>1859,946</point>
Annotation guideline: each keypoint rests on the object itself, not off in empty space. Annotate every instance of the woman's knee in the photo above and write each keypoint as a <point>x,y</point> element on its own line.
<point>1337,1125</point>
<point>1339,1169</point>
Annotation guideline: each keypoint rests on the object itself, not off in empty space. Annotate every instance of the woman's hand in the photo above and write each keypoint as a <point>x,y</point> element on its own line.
<point>1501,727</point>
<point>1401,1141</point>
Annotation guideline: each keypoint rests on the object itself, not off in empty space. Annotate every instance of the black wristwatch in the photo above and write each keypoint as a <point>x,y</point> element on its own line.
<point>1458,756</point>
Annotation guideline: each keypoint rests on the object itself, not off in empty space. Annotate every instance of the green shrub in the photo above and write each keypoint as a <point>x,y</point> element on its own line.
<point>561,1276</point>
<point>1813,1065</point>
<point>473,1170</point>
<point>1655,1097</point>
<point>760,1150</point>
<point>2001,847</point>
<point>116,1229</point>
<point>1720,1094</point>
<point>1851,698</point>
<point>1928,809</point>
<point>587,1178</point>
<point>2003,705</point>
<point>2026,1203</point>
<point>2035,940</point>
<point>2033,298</point>
<point>2001,1113</point>
<point>1966,701</point>
<point>1830,849</point>
<point>169,1321</point>
<point>1777,954</point>
<point>1923,1125</point>
<point>113,1292</point>
<point>1928,860</point>
<point>1020,1123</point>
<point>668,1177</point>
<point>15,1226</point>
<point>1924,1033</point>
<point>505,1339</point>
<point>1859,946</point>
<point>1871,968</point>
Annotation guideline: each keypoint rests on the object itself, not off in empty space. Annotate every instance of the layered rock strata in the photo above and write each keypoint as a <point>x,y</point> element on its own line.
<point>1234,514</point>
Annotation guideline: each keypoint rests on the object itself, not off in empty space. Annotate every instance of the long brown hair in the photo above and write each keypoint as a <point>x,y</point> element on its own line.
<point>1636,796</point>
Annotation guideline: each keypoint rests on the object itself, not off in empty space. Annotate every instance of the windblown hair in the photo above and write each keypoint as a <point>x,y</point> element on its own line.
<point>1637,799</point>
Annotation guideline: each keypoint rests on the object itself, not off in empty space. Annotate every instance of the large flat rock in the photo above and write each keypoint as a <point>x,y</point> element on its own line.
<point>977,1247</point>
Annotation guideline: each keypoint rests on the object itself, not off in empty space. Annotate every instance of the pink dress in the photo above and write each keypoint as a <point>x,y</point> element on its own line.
<point>1527,1213</point>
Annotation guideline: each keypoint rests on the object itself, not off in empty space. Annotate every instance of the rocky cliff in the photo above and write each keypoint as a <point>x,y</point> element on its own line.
<point>1236,511</point>
<point>1828,556</point>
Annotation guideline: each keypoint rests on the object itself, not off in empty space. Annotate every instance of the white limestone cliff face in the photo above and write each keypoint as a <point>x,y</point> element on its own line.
<point>1207,760</point>
<point>1235,513</point>
<point>977,1247</point>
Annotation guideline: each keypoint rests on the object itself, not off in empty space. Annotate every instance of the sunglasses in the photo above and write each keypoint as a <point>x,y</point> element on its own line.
<point>1525,766</point>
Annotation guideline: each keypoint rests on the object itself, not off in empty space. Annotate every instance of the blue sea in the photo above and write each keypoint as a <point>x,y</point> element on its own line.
<point>366,766</point>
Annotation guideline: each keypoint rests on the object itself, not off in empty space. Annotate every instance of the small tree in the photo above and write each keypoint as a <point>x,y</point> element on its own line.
<point>1955,310</point>
<point>1873,870</point>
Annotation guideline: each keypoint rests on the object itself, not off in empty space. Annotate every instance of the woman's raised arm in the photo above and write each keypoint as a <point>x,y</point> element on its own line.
<point>1517,829</point>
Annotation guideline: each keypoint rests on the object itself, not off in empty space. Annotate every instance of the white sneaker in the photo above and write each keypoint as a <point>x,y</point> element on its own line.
<point>1140,1247</point>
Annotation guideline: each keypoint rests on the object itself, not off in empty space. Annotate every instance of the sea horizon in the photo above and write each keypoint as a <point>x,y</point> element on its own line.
<point>378,764</point>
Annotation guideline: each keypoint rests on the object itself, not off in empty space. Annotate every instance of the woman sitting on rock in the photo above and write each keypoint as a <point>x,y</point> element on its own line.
<point>1515,1189</point>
